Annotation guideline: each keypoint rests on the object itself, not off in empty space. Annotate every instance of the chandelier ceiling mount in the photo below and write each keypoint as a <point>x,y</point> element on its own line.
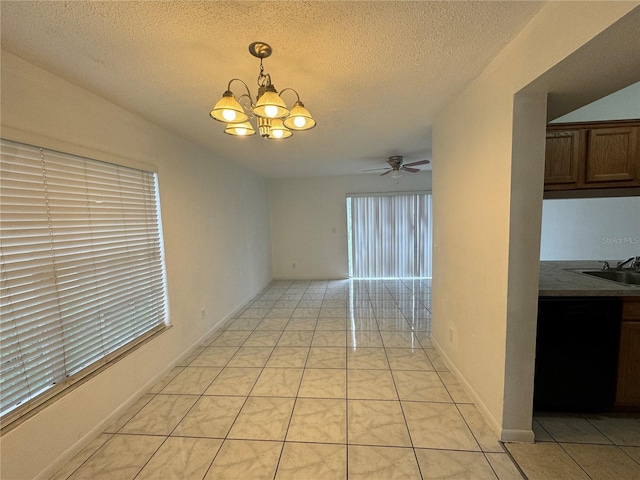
<point>260,50</point>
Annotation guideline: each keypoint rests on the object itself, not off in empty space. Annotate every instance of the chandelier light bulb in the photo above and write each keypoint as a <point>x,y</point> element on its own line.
<point>229,115</point>
<point>271,111</point>
<point>299,122</point>
<point>241,131</point>
<point>277,133</point>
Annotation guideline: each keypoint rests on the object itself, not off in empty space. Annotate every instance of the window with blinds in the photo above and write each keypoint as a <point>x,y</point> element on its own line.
<point>82,269</point>
<point>389,236</point>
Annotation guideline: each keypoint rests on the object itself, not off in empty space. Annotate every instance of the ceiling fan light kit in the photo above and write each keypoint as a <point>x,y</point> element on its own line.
<point>273,119</point>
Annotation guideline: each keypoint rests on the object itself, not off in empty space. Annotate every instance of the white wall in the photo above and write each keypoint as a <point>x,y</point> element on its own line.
<point>488,160</point>
<point>309,220</point>
<point>590,229</point>
<point>217,240</point>
<point>621,105</point>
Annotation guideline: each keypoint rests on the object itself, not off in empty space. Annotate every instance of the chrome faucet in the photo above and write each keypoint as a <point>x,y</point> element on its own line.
<point>635,263</point>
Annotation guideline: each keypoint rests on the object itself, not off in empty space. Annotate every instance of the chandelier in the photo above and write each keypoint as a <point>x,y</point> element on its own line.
<point>273,119</point>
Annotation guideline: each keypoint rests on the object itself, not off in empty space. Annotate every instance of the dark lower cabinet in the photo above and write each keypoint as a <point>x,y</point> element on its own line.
<point>577,353</point>
<point>628,391</point>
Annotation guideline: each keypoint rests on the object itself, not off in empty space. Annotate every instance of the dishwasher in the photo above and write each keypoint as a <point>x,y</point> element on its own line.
<point>577,353</point>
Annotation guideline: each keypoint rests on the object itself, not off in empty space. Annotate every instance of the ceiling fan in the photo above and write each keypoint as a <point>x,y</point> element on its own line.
<point>397,165</point>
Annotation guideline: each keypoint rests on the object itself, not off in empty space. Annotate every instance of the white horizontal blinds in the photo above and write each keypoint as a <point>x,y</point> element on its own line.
<point>391,236</point>
<point>31,340</point>
<point>98,229</point>
<point>425,236</point>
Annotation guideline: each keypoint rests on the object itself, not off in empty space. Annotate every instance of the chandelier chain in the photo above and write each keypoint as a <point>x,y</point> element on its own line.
<point>264,79</point>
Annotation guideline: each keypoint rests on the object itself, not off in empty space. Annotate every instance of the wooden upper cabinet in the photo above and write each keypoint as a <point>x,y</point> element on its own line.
<point>562,156</point>
<point>612,155</point>
<point>584,156</point>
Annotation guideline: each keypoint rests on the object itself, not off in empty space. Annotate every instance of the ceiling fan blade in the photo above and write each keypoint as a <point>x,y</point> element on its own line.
<point>388,171</point>
<point>374,169</point>
<point>412,170</point>
<point>419,162</point>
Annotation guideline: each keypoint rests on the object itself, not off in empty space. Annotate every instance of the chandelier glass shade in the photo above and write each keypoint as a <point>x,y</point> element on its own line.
<point>299,118</point>
<point>278,130</point>
<point>272,117</point>
<point>270,105</point>
<point>240,129</point>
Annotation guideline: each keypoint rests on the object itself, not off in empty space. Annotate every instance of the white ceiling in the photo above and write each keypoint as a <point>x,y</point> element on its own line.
<point>373,74</point>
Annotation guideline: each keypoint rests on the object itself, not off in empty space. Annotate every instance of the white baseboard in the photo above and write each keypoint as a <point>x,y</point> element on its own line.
<point>503,434</point>
<point>517,436</point>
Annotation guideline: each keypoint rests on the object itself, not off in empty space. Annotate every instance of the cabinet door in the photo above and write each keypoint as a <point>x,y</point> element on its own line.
<point>628,389</point>
<point>562,156</point>
<point>612,154</point>
<point>631,308</point>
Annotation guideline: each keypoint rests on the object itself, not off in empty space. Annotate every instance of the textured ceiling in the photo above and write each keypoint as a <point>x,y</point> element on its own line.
<point>373,74</point>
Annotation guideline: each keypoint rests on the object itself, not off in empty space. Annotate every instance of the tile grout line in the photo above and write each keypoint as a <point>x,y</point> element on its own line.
<point>156,394</point>
<point>404,417</point>
<point>118,431</point>
<point>562,445</point>
<point>239,410</point>
<point>166,437</point>
<point>628,454</point>
<point>346,386</point>
<point>111,435</point>
<point>295,401</point>
<point>599,430</point>
<point>238,414</point>
<point>484,453</point>
<point>513,460</point>
<point>384,348</point>
<point>574,460</point>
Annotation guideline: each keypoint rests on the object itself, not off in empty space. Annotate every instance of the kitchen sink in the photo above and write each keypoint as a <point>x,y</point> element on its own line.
<point>620,276</point>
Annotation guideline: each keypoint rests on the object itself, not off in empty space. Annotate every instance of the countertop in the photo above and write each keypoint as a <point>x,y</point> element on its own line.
<point>563,279</point>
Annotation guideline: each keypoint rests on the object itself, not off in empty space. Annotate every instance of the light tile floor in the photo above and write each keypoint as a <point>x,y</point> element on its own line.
<point>581,447</point>
<point>311,380</point>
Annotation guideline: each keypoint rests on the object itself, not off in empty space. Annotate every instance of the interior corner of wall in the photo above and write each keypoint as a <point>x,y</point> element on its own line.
<point>492,421</point>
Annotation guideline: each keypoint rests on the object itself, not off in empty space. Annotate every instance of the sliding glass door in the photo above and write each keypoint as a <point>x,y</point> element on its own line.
<point>389,236</point>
